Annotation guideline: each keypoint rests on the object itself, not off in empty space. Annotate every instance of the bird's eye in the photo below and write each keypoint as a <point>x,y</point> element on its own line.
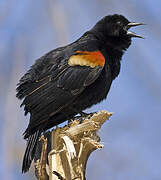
<point>118,22</point>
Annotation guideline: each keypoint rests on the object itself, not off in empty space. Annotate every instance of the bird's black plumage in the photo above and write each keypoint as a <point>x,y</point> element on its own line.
<point>72,78</point>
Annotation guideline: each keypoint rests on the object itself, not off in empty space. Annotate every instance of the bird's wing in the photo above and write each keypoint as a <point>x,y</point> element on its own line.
<point>83,69</point>
<point>55,90</point>
<point>39,73</point>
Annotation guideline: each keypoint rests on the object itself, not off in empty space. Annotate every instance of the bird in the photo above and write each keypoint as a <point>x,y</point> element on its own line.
<point>69,79</point>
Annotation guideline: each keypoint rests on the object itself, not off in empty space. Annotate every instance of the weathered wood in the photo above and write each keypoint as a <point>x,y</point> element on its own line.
<point>41,163</point>
<point>71,147</point>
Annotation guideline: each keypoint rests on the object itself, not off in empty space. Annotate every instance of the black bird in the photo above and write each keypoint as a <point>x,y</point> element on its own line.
<point>69,79</point>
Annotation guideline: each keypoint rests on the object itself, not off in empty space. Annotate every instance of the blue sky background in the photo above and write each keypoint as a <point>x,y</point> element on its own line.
<point>28,29</point>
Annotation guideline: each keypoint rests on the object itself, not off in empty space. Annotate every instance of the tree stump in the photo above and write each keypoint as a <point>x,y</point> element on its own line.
<point>71,147</point>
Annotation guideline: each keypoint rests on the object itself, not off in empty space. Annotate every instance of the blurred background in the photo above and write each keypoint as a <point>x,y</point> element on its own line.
<point>28,29</point>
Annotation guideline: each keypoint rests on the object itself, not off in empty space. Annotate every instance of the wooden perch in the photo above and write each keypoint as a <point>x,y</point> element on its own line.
<point>71,147</point>
<point>41,164</point>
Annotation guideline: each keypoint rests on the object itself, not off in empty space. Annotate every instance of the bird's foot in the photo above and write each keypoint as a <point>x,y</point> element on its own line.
<point>77,118</point>
<point>83,114</point>
<point>87,115</point>
<point>82,117</point>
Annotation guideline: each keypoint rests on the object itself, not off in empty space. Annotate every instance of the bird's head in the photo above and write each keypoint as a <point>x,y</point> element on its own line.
<point>114,31</point>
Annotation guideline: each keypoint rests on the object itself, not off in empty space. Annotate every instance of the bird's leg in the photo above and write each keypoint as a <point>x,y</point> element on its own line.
<point>83,114</point>
<point>79,118</point>
<point>67,116</point>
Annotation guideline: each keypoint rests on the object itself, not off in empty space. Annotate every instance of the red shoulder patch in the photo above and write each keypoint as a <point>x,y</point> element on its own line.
<point>86,58</point>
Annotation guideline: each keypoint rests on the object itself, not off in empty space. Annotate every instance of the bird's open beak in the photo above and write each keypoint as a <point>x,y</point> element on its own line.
<point>132,34</point>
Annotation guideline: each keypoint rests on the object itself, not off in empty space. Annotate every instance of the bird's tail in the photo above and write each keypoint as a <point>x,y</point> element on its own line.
<point>30,151</point>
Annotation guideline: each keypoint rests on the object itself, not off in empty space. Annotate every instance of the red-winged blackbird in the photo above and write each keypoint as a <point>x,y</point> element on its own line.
<point>69,79</point>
